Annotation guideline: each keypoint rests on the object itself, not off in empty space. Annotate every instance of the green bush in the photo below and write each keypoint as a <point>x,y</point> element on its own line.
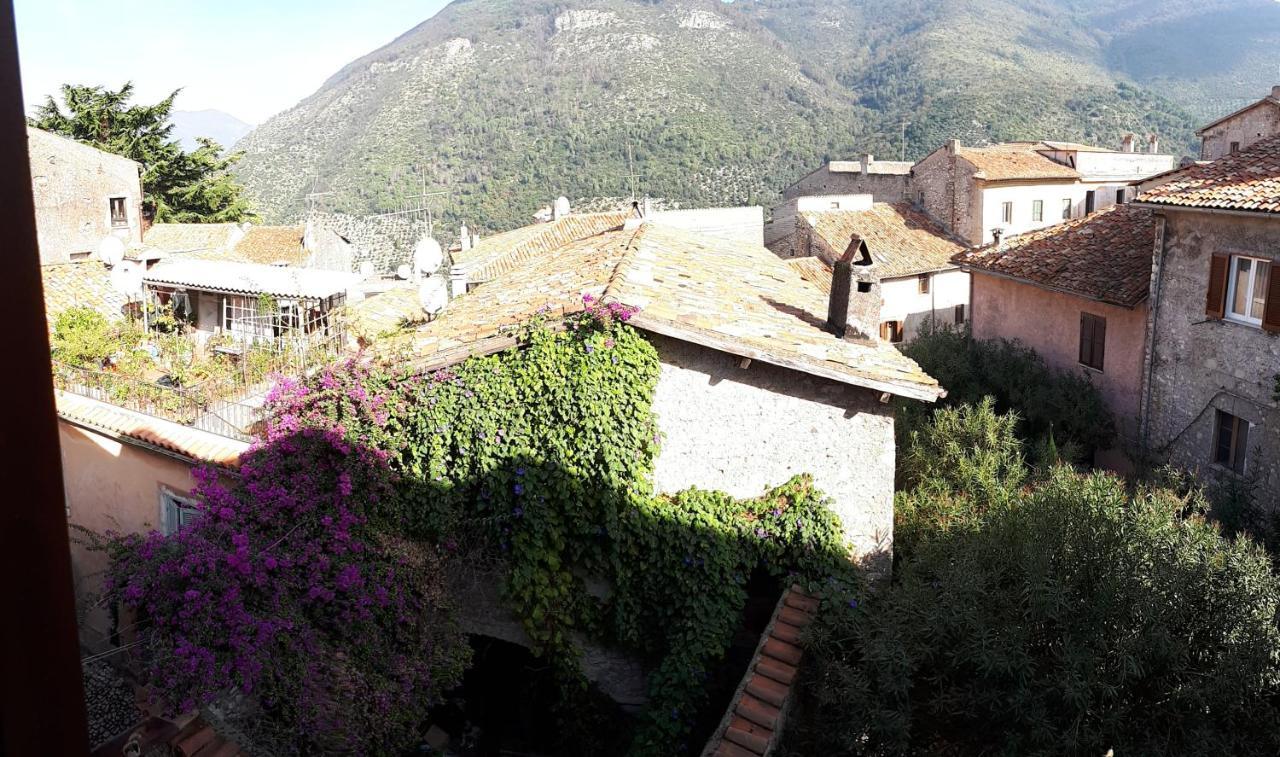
<point>83,336</point>
<point>1078,618</point>
<point>1050,403</point>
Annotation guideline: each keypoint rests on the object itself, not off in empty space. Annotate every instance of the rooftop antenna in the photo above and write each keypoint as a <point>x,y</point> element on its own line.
<point>631,174</point>
<point>903,153</point>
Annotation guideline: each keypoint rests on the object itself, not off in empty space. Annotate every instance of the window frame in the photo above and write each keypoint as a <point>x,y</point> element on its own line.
<point>1092,354</point>
<point>1233,148</point>
<point>960,314</point>
<point>1237,457</point>
<point>924,283</point>
<point>122,222</point>
<point>177,511</point>
<point>1037,211</point>
<point>893,332</point>
<point>1067,207</point>
<point>1232,267</point>
<point>1006,211</point>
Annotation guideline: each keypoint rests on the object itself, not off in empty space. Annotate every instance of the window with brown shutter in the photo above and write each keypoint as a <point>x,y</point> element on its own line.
<point>922,283</point>
<point>1271,312</point>
<point>1215,305</point>
<point>1230,442</point>
<point>1093,340</point>
<point>891,331</point>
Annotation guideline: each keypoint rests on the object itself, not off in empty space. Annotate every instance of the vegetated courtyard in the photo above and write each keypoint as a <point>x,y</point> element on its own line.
<point>1033,608</point>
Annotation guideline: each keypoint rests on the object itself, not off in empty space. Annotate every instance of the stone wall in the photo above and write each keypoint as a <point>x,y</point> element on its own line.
<point>944,187</point>
<point>831,180</point>
<point>386,241</point>
<point>1201,364</point>
<point>743,430</point>
<point>73,185</point>
<point>1248,127</point>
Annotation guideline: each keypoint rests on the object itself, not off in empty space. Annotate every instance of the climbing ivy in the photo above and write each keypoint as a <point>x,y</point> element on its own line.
<point>544,455</point>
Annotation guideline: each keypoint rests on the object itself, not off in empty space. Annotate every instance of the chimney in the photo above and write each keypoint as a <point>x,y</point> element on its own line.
<point>1275,92</point>
<point>466,238</point>
<point>953,146</point>
<point>1126,144</point>
<point>997,236</point>
<point>844,285</point>
<point>1153,143</point>
<point>867,160</point>
<point>646,207</point>
<point>475,240</point>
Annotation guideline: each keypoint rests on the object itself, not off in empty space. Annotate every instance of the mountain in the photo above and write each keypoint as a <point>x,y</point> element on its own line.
<point>223,128</point>
<point>504,104</point>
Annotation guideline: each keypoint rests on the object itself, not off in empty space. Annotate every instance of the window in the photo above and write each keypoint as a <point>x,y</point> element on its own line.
<point>119,211</point>
<point>1090,199</point>
<point>1066,208</point>
<point>922,281</point>
<point>176,511</point>
<point>920,197</point>
<point>959,314</point>
<point>82,255</point>
<point>1006,212</point>
<point>1230,441</point>
<point>1037,210</point>
<point>1120,196</point>
<point>1235,147</point>
<point>1247,289</point>
<point>891,331</point>
<point>1093,340</point>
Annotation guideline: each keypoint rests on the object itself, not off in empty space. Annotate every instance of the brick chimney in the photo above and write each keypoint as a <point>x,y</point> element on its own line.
<point>1153,143</point>
<point>867,160</point>
<point>1126,143</point>
<point>465,238</point>
<point>953,146</point>
<point>855,295</point>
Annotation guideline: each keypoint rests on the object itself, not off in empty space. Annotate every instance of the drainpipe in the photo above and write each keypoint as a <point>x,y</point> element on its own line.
<point>1153,320</point>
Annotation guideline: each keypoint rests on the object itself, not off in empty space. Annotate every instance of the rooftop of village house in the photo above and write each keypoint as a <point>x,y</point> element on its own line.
<point>903,241</point>
<point>1105,256</point>
<point>1248,181</point>
<point>503,252</point>
<point>735,297</point>
<point>1271,100</point>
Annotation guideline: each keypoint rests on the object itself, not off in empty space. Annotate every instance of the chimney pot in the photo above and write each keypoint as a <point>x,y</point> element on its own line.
<point>867,160</point>
<point>1154,143</point>
<point>1126,144</point>
<point>1275,92</point>
<point>838,305</point>
<point>953,146</point>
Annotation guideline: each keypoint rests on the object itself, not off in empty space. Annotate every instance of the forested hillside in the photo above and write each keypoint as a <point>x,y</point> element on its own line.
<point>505,104</point>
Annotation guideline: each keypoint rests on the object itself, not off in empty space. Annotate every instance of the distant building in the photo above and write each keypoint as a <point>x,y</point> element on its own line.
<point>1012,188</point>
<point>1076,293</point>
<point>1213,340</point>
<point>910,251</point>
<point>1238,131</point>
<point>82,195</point>
<point>885,180</point>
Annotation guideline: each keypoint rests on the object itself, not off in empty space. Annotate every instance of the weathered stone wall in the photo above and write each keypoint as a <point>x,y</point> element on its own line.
<point>743,430</point>
<point>1248,127</point>
<point>73,185</point>
<point>885,187</point>
<point>386,241</point>
<point>1201,364</point>
<point>944,187</point>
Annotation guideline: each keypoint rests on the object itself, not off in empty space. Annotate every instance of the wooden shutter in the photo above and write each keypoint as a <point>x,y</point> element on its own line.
<point>1099,342</point>
<point>1271,311</point>
<point>1215,305</point>
<point>1086,339</point>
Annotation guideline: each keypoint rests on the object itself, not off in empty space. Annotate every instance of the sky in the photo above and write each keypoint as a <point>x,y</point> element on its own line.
<point>249,58</point>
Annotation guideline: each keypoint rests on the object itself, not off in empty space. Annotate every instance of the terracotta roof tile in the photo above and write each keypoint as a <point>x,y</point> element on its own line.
<point>192,237</point>
<point>730,749</point>
<point>813,270</point>
<point>731,296</point>
<point>1247,181</point>
<point>1015,161</point>
<point>504,252</point>
<point>753,741</point>
<point>382,314</point>
<point>272,245</point>
<point>80,284</point>
<point>1105,256</point>
<point>198,445</point>
<point>903,241</point>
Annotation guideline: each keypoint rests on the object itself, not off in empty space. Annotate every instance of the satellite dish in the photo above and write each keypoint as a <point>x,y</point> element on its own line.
<point>561,207</point>
<point>404,271</point>
<point>366,269</point>
<point>427,256</point>
<point>127,280</point>
<point>433,295</point>
<point>111,250</point>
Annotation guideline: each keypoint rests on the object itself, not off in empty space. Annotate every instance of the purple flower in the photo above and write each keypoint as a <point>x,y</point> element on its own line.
<point>518,489</point>
<point>519,471</point>
<point>518,512</point>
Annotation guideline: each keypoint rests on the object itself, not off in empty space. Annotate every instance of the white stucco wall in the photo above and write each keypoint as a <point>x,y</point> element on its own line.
<point>904,302</point>
<point>744,430</point>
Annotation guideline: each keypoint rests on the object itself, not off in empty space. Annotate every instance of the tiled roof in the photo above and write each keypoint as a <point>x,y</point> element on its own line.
<point>813,270</point>
<point>1248,181</point>
<point>249,278</point>
<point>272,245</point>
<point>1014,161</point>
<point>503,252</point>
<point>1073,147</point>
<point>753,722</point>
<point>81,284</point>
<point>201,446</point>
<point>1268,100</point>
<point>902,240</point>
<point>734,297</point>
<point>1105,256</point>
<point>192,237</point>
<point>380,314</point>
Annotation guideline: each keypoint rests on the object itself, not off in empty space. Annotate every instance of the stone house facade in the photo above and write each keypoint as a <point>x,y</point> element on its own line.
<point>1241,129</point>
<point>1212,402</point>
<point>82,195</point>
<point>885,180</point>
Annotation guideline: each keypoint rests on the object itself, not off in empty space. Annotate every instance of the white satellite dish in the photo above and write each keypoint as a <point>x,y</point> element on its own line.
<point>111,250</point>
<point>561,208</point>
<point>404,271</point>
<point>366,269</point>
<point>427,256</point>
<point>433,295</point>
<point>127,280</point>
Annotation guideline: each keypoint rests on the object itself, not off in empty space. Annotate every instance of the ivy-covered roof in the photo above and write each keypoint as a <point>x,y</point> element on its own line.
<point>730,296</point>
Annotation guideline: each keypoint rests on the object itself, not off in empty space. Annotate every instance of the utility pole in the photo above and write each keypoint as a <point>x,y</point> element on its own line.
<point>903,154</point>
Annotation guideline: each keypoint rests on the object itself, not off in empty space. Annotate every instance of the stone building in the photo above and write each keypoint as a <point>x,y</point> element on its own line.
<point>1213,335</point>
<point>1005,189</point>
<point>885,180</point>
<point>82,195</point>
<point>755,387</point>
<point>912,255</point>
<point>1076,293</point>
<point>1237,131</point>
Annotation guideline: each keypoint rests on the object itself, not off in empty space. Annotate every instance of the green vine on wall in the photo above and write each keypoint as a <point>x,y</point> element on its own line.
<point>544,455</point>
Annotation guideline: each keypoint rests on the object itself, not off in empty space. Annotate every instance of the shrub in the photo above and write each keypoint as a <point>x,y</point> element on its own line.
<point>83,336</point>
<point>1080,618</point>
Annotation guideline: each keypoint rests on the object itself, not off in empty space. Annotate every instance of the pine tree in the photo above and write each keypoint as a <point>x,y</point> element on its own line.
<point>178,186</point>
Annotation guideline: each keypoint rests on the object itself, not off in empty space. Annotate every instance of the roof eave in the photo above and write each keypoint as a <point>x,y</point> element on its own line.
<point>1264,101</point>
<point>1206,209</point>
<point>971,268</point>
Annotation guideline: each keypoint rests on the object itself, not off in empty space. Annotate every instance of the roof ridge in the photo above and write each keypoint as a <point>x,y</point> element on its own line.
<point>623,267</point>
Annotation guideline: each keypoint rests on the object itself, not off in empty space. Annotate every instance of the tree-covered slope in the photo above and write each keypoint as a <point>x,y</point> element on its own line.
<point>506,104</point>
